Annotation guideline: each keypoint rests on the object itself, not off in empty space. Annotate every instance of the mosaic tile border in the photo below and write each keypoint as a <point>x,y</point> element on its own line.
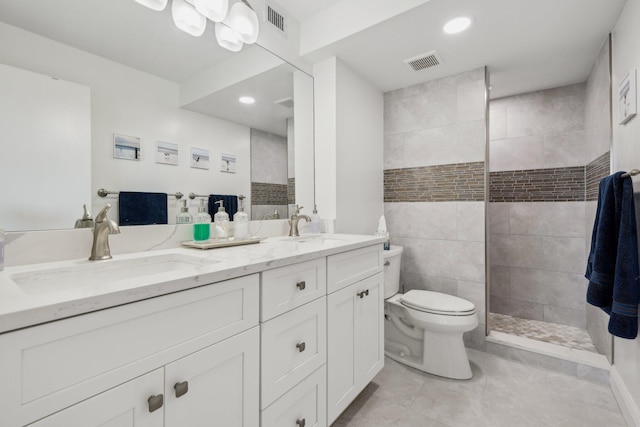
<point>268,194</point>
<point>454,182</point>
<point>594,172</point>
<point>291,190</point>
<point>538,185</point>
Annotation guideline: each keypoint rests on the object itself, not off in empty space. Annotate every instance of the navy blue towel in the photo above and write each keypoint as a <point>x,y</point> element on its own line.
<point>229,202</point>
<point>613,269</point>
<point>137,208</point>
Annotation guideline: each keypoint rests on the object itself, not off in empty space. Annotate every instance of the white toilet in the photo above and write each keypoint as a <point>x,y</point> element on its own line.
<point>424,329</point>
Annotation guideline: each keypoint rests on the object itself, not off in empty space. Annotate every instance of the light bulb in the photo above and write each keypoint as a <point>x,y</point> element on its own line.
<point>244,21</point>
<point>228,38</point>
<point>187,18</point>
<point>215,10</point>
<point>154,4</point>
<point>457,25</point>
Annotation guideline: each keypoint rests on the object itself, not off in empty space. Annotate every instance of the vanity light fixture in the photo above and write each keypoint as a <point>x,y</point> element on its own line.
<point>228,38</point>
<point>457,25</point>
<point>154,4</point>
<point>215,10</point>
<point>247,100</point>
<point>187,18</point>
<point>244,20</point>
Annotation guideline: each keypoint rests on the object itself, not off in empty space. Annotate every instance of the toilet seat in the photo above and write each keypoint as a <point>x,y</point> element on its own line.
<point>437,303</point>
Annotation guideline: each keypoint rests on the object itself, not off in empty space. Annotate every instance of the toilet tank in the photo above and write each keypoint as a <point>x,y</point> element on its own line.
<point>392,260</point>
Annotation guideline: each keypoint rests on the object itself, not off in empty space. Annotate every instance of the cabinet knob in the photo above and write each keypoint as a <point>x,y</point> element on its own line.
<point>301,422</point>
<point>301,285</point>
<point>155,402</point>
<point>181,388</point>
<point>387,263</point>
<point>301,346</point>
<point>363,293</point>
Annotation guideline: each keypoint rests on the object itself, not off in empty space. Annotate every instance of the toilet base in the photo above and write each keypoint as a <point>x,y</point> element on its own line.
<point>444,354</point>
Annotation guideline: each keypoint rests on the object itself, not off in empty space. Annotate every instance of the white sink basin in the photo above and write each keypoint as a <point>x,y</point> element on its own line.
<point>101,273</point>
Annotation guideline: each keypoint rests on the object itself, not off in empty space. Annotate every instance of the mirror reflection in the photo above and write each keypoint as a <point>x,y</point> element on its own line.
<point>78,83</point>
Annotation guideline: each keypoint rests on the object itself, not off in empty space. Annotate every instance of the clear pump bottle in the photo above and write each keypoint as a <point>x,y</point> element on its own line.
<point>1,249</point>
<point>241,222</point>
<point>184,217</point>
<point>202,224</point>
<point>221,223</point>
<point>315,221</point>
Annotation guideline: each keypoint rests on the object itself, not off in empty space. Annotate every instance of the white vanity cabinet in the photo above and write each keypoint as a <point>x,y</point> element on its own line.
<point>355,313</point>
<point>195,335</point>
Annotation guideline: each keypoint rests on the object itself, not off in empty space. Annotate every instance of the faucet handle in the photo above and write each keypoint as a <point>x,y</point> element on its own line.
<point>298,209</point>
<point>103,213</point>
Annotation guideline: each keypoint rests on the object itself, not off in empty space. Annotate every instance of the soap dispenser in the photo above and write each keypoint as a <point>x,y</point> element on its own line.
<point>241,222</point>
<point>184,217</point>
<point>221,222</point>
<point>314,227</point>
<point>202,224</point>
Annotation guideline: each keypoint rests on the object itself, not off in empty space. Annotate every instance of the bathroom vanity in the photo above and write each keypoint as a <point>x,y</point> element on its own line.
<point>283,333</point>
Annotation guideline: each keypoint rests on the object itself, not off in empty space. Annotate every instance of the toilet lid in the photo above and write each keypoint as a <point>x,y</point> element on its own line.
<point>437,303</point>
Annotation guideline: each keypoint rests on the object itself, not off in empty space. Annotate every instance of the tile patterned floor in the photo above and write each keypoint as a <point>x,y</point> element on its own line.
<point>566,336</point>
<point>501,393</point>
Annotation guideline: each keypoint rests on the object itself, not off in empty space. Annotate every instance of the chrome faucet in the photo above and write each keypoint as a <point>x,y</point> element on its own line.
<point>293,222</point>
<point>101,230</point>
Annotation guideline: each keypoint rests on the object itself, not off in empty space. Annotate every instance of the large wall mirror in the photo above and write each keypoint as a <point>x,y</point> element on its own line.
<point>78,75</point>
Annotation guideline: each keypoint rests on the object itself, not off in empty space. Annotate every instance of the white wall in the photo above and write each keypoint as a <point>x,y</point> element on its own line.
<point>625,156</point>
<point>130,102</point>
<point>349,148</point>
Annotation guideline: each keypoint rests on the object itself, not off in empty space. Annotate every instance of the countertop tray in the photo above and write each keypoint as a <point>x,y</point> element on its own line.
<point>213,244</point>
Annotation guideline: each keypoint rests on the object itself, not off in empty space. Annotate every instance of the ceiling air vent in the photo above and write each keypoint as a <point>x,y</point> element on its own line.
<point>285,102</point>
<point>275,18</point>
<point>424,61</point>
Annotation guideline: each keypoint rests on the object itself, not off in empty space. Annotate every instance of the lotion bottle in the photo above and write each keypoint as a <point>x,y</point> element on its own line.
<point>1,249</point>
<point>241,222</point>
<point>202,224</point>
<point>221,222</point>
<point>314,227</point>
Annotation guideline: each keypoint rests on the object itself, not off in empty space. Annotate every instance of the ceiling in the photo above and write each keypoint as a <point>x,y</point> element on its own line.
<point>526,45</point>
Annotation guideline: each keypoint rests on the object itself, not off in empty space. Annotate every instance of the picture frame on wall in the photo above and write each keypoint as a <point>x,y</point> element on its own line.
<point>627,98</point>
<point>199,158</point>
<point>126,147</point>
<point>228,163</point>
<point>166,153</point>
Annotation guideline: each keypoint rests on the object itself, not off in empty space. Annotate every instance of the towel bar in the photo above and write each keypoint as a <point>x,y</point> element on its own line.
<point>104,193</point>
<point>194,195</point>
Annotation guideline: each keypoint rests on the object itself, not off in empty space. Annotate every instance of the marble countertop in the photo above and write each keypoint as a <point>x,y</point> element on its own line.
<point>40,293</point>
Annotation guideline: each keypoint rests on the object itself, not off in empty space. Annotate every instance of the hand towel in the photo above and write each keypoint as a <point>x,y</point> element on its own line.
<point>613,269</point>
<point>139,208</point>
<point>229,202</point>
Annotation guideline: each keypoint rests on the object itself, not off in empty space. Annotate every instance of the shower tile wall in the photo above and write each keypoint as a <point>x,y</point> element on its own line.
<point>435,139</point>
<point>269,182</point>
<point>537,211</point>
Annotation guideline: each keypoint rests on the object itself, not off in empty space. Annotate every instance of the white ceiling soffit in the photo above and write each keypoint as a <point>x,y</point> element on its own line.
<point>526,45</point>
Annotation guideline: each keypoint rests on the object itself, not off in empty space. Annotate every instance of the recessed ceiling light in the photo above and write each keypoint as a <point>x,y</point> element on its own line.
<point>457,25</point>
<point>246,100</point>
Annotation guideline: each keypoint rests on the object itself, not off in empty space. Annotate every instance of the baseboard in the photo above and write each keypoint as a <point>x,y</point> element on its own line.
<point>627,405</point>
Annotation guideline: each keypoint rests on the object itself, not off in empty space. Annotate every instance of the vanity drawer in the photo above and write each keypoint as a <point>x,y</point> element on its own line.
<point>52,366</point>
<point>293,346</point>
<point>286,288</point>
<point>349,267</point>
<point>305,404</point>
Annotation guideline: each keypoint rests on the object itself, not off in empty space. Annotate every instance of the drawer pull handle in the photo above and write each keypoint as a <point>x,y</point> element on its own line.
<point>301,423</point>
<point>301,285</point>
<point>181,388</point>
<point>363,293</point>
<point>155,402</point>
<point>301,346</point>
<point>387,263</point>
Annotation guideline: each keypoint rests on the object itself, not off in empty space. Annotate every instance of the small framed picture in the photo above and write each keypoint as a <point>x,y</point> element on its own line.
<point>228,163</point>
<point>199,158</point>
<point>627,97</point>
<point>126,147</point>
<point>166,153</point>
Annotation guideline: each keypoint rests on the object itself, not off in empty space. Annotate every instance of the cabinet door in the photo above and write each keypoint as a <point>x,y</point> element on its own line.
<point>341,350</point>
<point>123,406</point>
<point>355,349</point>
<point>222,385</point>
<point>369,329</point>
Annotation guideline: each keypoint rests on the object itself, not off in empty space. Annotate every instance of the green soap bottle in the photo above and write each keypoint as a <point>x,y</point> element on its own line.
<point>202,224</point>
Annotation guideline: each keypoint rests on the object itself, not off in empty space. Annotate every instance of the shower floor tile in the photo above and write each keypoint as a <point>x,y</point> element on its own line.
<point>566,336</point>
